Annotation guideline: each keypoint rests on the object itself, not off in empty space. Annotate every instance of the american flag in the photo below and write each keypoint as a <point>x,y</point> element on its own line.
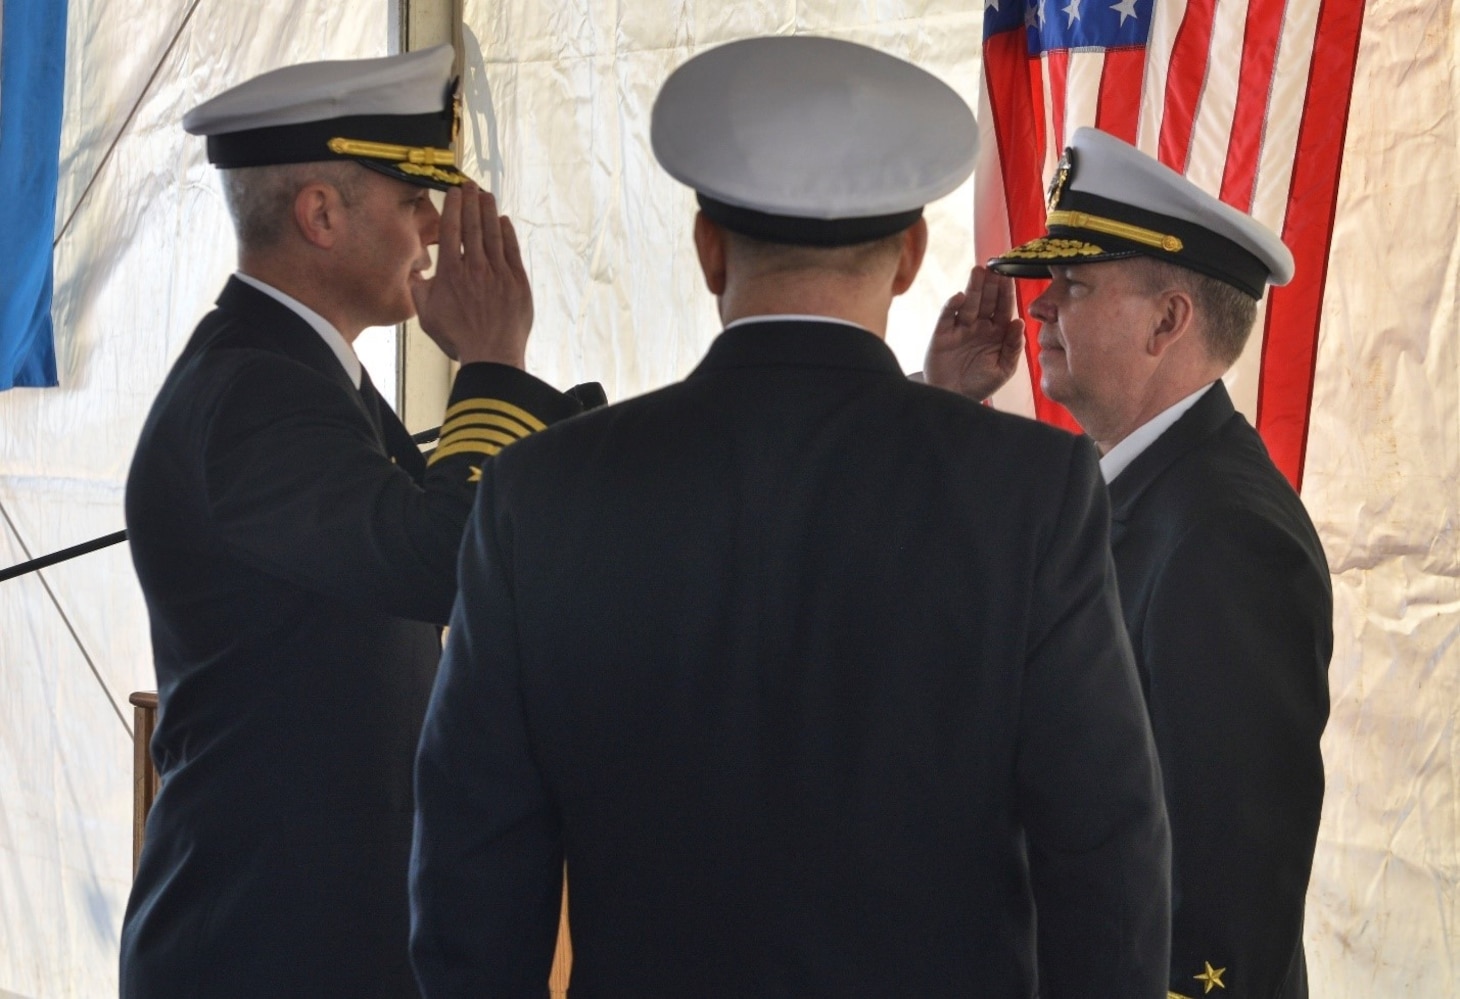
<point>32,80</point>
<point>1248,98</point>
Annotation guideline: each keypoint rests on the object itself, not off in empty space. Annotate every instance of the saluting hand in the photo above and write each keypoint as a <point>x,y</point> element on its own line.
<point>478,304</point>
<point>975,346</point>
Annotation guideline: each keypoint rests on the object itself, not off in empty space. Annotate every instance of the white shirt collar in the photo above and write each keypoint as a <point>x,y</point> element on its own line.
<point>796,318</point>
<point>1117,458</point>
<point>320,324</point>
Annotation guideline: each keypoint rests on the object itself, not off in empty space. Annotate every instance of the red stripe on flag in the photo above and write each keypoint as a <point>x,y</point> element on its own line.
<point>1290,345</point>
<point>1059,73</point>
<point>1016,97</point>
<point>1118,110</point>
<point>1030,69</point>
<point>1254,90</point>
<point>1184,82</point>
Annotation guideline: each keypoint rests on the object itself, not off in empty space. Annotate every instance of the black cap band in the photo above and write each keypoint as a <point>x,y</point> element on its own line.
<point>1201,250</point>
<point>796,231</point>
<point>309,143</point>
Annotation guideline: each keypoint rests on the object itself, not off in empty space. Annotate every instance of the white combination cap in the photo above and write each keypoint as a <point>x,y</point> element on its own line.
<point>394,114</point>
<point>812,141</point>
<point>1109,201</point>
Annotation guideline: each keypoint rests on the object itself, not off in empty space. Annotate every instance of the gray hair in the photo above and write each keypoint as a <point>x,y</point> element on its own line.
<point>261,199</point>
<point>1226,313</point>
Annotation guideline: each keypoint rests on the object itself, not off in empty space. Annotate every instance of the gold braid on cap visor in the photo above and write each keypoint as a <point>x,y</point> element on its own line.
<point>1121,230</point>
<point>418,161</point>
<point>1050,248</point>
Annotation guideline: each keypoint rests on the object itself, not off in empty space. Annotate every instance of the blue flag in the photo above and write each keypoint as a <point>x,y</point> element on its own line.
<point>32,78</point>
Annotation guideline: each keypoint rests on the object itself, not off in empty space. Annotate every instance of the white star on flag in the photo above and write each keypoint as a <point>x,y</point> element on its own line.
<point>1074,11</point>
<point>1126,8</point>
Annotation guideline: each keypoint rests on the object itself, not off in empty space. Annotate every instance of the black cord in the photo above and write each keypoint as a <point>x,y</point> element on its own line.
<point>86,547</point>
<point>96,544</point>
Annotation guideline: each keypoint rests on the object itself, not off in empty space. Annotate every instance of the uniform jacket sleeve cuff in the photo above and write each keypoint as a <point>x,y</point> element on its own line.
<point>493,405</point>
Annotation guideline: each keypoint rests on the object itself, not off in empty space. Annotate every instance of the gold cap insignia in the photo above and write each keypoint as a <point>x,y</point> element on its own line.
<point>1062,173</point>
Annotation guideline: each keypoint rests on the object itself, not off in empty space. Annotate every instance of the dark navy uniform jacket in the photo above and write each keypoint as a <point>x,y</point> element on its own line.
<point>1228,601</point>
<point>297,557</point>
<point>816,680</point>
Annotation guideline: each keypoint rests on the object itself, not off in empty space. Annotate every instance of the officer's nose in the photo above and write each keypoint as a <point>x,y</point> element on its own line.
<point>1042,308</point>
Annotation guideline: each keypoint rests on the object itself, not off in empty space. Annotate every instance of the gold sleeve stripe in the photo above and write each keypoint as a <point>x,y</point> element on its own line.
<point>496,405</point>
<point>463,447</point>
<point>516,428</point>
<point>486,442</point>
<point>481,436</point>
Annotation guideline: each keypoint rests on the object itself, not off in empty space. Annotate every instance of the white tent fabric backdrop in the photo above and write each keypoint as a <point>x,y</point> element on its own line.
<point>558,96</point>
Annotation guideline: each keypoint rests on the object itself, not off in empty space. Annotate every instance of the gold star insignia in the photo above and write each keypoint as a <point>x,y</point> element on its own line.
<point>476,476</point>
<point>1212,977</point>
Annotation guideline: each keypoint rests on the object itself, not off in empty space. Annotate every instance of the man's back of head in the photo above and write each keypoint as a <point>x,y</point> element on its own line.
<point>811,159</point>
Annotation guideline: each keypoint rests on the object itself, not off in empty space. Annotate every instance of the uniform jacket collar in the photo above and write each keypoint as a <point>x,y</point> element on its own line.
<point>279,328</point>
<point>799,343</point>
<point>275,327</point>
<point>1198,423</point>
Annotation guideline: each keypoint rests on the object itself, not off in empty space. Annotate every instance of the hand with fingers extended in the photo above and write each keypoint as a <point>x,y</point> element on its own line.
<point>975,346</point>
<point>477,305</point>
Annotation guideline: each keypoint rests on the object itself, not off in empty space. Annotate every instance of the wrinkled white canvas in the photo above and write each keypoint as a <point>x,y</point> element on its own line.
<point>558,96</point>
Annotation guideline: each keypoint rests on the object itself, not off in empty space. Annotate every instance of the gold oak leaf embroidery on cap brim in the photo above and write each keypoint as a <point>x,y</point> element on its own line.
<point>1048,248</point>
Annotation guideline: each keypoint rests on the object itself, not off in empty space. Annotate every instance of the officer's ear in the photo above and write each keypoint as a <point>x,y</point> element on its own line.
<point>710,245</point>
<point>319,214</point>
<point>1173,319</point>
<point>910,257</point>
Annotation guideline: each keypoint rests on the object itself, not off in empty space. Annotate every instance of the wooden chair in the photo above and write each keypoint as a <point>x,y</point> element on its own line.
<point>146,782</point>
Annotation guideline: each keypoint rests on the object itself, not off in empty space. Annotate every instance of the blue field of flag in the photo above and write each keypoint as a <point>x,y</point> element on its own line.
<point>1072,25</point>
<point>32,81</point>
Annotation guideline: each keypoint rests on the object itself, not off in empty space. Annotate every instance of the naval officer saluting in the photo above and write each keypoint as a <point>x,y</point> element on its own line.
<point>296,553</point>
<point>1224,586</point>
<point>799,722</point>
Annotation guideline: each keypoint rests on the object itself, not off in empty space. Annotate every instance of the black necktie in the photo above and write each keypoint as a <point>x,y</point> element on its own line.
<point>373,402</point>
